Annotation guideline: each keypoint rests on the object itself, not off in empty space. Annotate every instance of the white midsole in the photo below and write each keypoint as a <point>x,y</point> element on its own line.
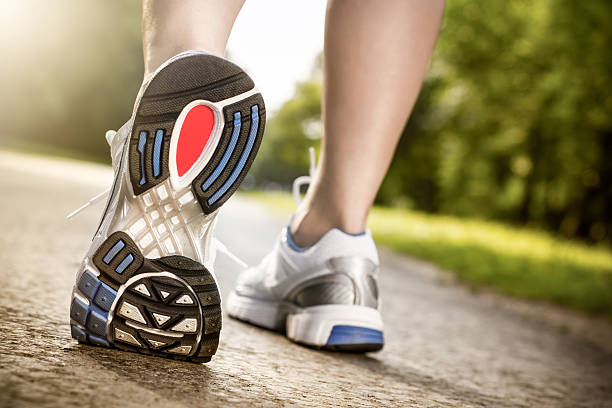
<point>166,219</point>
<point>310,325</point>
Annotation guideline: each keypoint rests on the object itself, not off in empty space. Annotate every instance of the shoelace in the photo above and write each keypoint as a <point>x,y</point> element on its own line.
<point>110,138</point>
<point>305,180</point>
<point>218,245</point>
<point>88,204</point>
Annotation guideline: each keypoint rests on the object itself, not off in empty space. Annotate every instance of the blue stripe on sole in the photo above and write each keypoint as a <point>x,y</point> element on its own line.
<point>127,261</point>
<point>142,141</point>
<point>243,157</point>
<point>110,255</point>
<point>228,153</point>
<point>159,138</point>
<point>345,335</point>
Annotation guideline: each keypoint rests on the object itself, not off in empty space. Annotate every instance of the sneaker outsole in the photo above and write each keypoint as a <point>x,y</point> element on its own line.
<point>168,306</point>
<point>343,328</point>
<point>207,78</point>
<point>354,339</point>
<point>134,292</point>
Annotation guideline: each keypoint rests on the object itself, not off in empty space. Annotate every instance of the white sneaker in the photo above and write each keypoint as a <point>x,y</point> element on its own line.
<point>324,296</point>
<point>146,283</point>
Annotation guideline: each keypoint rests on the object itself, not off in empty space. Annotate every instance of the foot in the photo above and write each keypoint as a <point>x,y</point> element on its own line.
<point>325,296</point>
<point>146,284</point>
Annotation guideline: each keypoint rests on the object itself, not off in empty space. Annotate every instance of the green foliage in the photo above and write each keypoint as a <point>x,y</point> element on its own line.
<point>517,261</point>
<point>284,153</point>
<point>514,121</point>
<point>526,135</point>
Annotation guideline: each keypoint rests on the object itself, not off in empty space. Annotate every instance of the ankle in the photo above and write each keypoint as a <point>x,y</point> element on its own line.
<point>309,224</point>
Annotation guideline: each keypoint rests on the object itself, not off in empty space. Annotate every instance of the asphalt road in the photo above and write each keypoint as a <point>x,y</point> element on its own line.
<point>445,346</point>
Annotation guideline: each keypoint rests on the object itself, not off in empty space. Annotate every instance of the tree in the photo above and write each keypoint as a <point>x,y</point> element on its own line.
<point>514,121</point>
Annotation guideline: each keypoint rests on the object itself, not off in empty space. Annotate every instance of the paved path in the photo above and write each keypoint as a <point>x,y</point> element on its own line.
<point>445,345</point>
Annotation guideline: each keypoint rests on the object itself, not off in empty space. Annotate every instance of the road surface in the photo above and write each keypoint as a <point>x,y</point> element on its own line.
<point>445,346</point>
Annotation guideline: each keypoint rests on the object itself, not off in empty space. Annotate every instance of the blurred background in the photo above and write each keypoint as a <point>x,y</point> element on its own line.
<point>504,170</point>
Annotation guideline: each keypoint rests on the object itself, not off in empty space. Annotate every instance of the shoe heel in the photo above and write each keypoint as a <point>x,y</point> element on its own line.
<point>337,327</point>
<point>168,306</point>
<point>199,124</point>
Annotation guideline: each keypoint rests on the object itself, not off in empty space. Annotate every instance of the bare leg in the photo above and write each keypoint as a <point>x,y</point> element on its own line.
<point>375,58</point>
<point>173,26</point>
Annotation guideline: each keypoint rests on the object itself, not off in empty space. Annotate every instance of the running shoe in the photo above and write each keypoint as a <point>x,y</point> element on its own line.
<point>146,283</point>
<point>324,296</point>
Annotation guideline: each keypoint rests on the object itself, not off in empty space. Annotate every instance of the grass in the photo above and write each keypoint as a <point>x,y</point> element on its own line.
<point>517,261</point>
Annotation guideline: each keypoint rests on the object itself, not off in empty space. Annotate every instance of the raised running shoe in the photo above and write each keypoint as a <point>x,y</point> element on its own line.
<point>146,284</point>
<point>325,296</point>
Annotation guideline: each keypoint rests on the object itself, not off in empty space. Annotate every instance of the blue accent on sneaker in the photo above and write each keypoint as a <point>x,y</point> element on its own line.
<point>159,138</point>
<point>93,317</point>
<point>125,263</point>
<point>110,255</point>
<point>88,284</point>
<point>99,341</point>
<point>228,153</point>
<point>292,243</point>
<point>298,248</point>
<point>78,333</point>
<point>78,311</point>
<point>343,335</point>
<point>246,152</point>
<point>104,297</point>
<point>359,234</point>
<point>96,321</point>
<point>142,140</point>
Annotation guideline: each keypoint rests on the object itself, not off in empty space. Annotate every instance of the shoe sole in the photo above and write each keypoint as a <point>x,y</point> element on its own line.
<point>197,128</point>
<point>167,306</point>
<point>348,328</point>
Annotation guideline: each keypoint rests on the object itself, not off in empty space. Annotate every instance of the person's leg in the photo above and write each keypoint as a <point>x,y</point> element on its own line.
<point>375,58</point>
<point>173,26</point>
<point>195,129</point>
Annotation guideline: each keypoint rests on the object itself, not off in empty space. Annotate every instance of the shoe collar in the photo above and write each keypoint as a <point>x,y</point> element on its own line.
<point>334,243</point>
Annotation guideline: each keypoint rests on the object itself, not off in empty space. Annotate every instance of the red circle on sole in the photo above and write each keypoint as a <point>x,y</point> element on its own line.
<point>193,136</point>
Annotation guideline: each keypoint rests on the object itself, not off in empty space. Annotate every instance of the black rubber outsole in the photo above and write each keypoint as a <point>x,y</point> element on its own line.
<point>353,348</point>
<point>169,307</point>
<point>360,348</point>
<point>196,77</point>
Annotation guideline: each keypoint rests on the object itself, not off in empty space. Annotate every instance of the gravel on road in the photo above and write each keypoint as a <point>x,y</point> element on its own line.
<point>445,346</point>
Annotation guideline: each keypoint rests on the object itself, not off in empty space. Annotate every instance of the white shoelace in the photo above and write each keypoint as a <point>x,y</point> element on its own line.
<point>110,138</point>
<point>305,180</point>
<point>220,246</point>
<point>217,244</point>
<point>88,204</point>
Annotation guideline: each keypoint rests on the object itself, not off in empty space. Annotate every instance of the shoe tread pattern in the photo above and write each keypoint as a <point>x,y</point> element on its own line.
<point>154,315</point>
<point>199,76</point>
